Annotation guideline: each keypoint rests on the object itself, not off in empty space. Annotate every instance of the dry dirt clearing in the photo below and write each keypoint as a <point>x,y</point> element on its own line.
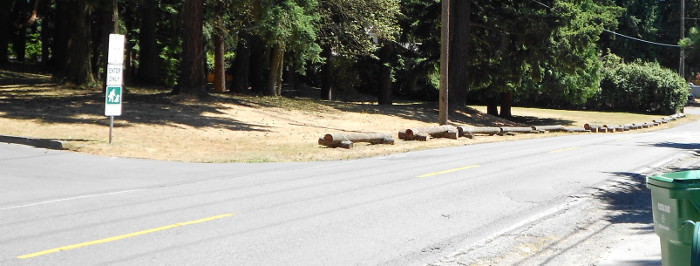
<point>237,128</point>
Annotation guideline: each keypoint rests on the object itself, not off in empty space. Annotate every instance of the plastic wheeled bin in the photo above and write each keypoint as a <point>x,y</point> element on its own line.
<point>675,201</point>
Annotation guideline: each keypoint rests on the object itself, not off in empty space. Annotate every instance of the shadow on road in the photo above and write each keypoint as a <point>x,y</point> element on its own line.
<point>676,145</point>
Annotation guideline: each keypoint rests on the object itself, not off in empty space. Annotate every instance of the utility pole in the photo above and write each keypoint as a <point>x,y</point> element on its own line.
<point>681,66</point>
<point>444,57</point>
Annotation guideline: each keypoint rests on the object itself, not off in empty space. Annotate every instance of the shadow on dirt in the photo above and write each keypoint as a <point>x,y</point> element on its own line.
<point>537,121</point>
<point>23,95</point>
<point>80,107</point>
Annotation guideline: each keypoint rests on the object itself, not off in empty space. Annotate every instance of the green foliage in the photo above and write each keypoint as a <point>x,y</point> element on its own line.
<point>640,87</point>
<point>691,44</point>
<point>640,19</point>
<point>355,28</point>
<point>169,40</point>
<point>529,48</point>
<point>292,25</point>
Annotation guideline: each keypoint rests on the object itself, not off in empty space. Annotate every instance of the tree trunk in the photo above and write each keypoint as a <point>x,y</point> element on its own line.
<point>60,38</point>
<point>459,54</point>
<point>148,57</point>
<point>44,13</point>
<point>19,39</point>
<point>506,104</point>
<point>219,66</point>
<point>76,67</point>
<point>192,79</point>
<point>385,90</point>
<point>292,79</point>
<point>257,65</point>
<point>491,105</point>
<point>5,6</point>
<point>327,74</point>
<point>100,40</point>
<point>241,65</point>
<point>274,82</point>
<point>129,69</point>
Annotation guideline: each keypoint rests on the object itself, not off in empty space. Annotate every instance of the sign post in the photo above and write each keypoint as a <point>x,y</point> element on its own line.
<point>113,91</point>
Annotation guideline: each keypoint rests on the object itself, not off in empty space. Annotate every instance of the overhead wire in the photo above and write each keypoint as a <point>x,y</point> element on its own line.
<point>620,34</point>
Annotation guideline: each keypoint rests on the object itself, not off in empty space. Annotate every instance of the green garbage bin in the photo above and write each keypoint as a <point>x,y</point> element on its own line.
<point>675,199</point>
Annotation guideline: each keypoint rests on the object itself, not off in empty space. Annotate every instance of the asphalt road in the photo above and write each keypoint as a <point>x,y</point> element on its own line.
<point>62,208</point>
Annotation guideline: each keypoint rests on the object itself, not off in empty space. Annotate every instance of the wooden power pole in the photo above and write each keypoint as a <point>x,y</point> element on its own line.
<point>444,58</point>
<point>681,66</point>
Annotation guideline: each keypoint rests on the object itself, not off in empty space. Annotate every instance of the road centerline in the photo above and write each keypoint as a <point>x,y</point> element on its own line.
<point>448,171</point>
<point>120,237</point>
<point>563,150</point>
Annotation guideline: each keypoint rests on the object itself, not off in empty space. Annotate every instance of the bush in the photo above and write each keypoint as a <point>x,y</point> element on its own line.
<point>640,87</point>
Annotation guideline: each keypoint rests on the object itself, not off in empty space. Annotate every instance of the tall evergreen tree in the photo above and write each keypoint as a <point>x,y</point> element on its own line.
<point>192,79</point>
<point>72,39</point>
<point>148,54</point>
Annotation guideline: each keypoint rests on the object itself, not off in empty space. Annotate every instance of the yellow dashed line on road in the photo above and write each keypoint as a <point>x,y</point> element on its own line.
<point>561,150</point>
<point>110,239</point>
<point>449,171</point>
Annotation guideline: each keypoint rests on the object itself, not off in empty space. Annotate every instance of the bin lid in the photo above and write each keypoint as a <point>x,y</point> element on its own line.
<point>684,179</point>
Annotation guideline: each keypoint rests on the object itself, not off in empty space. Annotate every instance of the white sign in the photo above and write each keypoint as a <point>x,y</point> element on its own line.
<point>113,101</point>
<point>114,75</point>
<point>116,49</point>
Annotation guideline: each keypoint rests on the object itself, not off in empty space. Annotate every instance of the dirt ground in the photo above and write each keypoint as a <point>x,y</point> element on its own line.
<point>236,128</point>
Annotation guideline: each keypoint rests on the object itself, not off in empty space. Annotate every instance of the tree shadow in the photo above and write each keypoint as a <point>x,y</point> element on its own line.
<point>677,145</point>
<point>80,107</point>
<point>15,73</point>
<point>538,121</point>
<point>423,112</point>
<point>629,199</point>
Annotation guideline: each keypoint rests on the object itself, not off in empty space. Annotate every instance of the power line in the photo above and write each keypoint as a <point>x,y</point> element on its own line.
<point>619,34</point>
<point>641,40</point>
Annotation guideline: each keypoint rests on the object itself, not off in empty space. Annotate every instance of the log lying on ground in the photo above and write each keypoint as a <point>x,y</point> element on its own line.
<point>510,130</point>
<point>576,130</point>
<point>469,132</point>
<point>346,140</point>
<point>676,116</point>
<point>591,127</point>
<point>549,128</point>
<point>630,126</point>
<point>615,128</point>
<point>435,132</point>
<point>598,128</point>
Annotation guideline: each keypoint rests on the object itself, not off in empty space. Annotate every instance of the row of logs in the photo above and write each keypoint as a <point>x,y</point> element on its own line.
<point>346,140</point>
<point>627,127</point>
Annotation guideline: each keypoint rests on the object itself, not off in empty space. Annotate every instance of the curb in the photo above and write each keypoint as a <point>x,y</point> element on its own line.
<point>39,143</point>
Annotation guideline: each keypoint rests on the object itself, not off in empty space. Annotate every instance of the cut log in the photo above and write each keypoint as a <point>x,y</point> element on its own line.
<point>436,132</point>
<point>346,144</point>
<point>422,136</point>
<point>576,130</point>
<point>614,128</point>
<point>637,126</point>
<point>505,130</point>
<point>451,134</point>
<point>338,139</point>
<point>402,134</point>
<point>471,131</point>
<point>592,126</point>
<point>549,128</point>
